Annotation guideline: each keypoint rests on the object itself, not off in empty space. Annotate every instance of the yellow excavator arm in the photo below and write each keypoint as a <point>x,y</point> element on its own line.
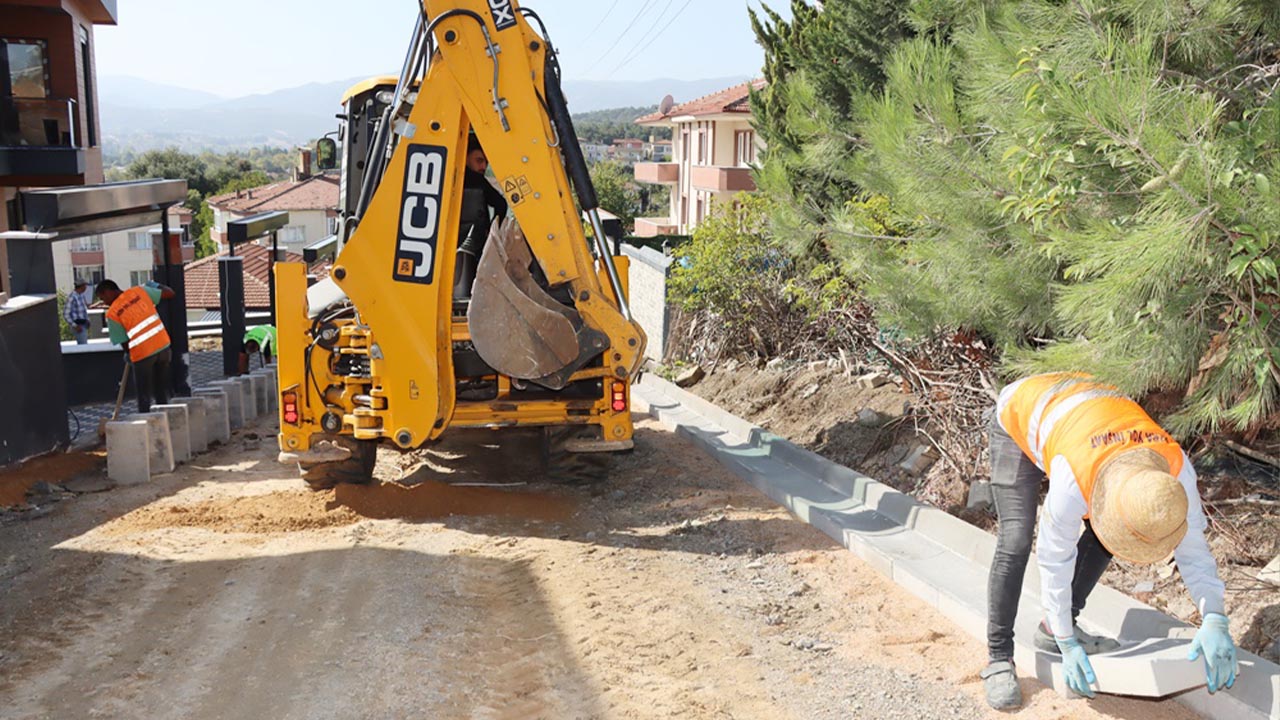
<point>549,311</point>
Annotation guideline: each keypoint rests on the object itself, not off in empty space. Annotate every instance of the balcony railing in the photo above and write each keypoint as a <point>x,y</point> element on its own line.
<point>653,173</point>
<point>653,227</point>
<point>722,179</point>
<point>38,122</point>
<point>38,139</point>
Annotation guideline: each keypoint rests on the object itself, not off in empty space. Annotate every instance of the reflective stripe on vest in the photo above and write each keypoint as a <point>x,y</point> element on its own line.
<point>137,314</point>
<point>1082,420</point>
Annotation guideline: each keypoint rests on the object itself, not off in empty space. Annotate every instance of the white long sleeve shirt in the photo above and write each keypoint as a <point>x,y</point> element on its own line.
<point>1061,521</point>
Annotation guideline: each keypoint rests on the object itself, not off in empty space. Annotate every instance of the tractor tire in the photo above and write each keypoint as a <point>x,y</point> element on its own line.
<point>355,470</point>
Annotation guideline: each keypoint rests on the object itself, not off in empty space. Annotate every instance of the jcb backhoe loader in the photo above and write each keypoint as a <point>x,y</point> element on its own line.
<point>396,346</point>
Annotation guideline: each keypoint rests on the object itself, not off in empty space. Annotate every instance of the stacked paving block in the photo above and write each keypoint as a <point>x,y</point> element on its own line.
<point>234,396</point>
<point>198,420</point>
<point>179,430</point>
<point>260,392</point>
<point>128,452</point>
<point>215,403</point>
<point>160,446</point>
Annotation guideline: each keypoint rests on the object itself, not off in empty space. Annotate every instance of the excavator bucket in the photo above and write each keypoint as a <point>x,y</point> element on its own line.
<point>517,327</point>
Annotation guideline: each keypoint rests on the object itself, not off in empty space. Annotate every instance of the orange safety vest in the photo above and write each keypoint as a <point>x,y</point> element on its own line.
<point>1082,420</point>
<point>137,314</point>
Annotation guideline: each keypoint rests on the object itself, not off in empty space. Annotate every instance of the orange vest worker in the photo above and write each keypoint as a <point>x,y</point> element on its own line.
<point>138,316</point>
<point>1082,420</point>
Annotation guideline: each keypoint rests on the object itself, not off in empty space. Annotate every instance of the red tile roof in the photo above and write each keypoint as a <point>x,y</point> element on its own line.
<point>201,278</point>
<point>730,100</point>
<point>318,192</point>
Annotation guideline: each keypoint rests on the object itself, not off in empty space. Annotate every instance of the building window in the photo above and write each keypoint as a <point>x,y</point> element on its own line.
<point>293,235</point>
<point>702,146</point>
<point>684,145</point>
<point>28,67</point>
<point>702,208</point>
<point>745,153</point>
<point>89,243</point>
<point>91,274</point>
<point>139,277</point>
<point>187,240</point>
<point>140,240</point>
<point>90,103</point>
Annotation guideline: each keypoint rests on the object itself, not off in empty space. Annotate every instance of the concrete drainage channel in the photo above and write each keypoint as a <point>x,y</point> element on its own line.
<point>945,561</point>
<point>145,444</point>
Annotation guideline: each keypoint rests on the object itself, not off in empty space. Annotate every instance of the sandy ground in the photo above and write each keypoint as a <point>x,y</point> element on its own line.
<point>653,585</point>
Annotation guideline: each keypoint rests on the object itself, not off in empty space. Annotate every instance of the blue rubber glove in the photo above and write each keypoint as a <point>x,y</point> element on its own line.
<point>1213,640</point>
<point>1076,668</point>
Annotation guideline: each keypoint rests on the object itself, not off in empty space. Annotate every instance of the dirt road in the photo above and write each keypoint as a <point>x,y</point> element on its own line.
<point>669,590</point>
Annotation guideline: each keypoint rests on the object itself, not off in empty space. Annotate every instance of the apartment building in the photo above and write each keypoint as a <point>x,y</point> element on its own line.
<point>49,131</point>
<point>714,150</point>
<point>310,199</point>
<point>126,256</point>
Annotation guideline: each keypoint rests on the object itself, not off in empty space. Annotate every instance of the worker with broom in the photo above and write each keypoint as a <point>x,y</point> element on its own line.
<point>134,322</point>
<point>1118,474</point>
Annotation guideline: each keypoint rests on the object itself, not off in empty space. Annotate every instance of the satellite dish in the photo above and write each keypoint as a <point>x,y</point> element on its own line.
<point>665,106</point>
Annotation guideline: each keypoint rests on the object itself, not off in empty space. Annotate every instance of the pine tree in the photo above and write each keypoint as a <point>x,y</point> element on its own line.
<point>1091,183</point>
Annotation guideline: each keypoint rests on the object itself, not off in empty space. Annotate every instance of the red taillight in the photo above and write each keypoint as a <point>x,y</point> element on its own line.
<point>289,402</point>
<point>619,397</point>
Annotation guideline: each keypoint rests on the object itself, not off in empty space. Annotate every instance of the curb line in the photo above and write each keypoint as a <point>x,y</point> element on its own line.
<point>938,557</point>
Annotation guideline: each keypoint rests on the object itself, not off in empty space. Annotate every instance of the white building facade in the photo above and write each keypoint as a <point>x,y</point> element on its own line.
<point>715,149</point>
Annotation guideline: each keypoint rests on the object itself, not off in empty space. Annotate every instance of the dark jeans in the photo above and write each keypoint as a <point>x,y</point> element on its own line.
<point>152,378</point>
<point>1015,490</point>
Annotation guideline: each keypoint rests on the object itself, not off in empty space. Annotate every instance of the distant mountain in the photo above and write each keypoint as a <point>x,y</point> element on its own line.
<point>140,115</point>
<point>135,92</point>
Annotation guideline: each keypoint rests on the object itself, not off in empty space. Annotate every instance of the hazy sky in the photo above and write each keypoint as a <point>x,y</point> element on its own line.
<point>238,47</point>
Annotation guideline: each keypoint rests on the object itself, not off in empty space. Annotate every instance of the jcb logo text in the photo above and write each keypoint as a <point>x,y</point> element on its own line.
<point>424,178</point>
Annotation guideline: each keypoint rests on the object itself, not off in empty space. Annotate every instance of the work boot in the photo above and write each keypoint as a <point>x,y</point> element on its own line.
<point>1092,644</point>
<point>1000,680</point>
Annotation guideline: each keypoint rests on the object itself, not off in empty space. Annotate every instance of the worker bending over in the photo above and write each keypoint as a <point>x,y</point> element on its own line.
<point>1112,469</point>
<point>134,323</point>
<point>261,341</point>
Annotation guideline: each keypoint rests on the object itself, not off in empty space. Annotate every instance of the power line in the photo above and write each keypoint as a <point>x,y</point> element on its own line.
<point>612,7</point>
<point>652,40</point>
<point>624,32</point>
<point>640,38</point>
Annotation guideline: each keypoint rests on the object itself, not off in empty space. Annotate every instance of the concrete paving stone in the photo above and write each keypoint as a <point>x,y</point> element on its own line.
<point>249,398</point>
<point>198,420</point>
<point>1152,668</point>
<point>273,391</point>
<point>260,394</point>
<point>219,422</point>
<point>159,441</point>
<point>128,455</point>
<point>233,392</point>
<point>179,430</point>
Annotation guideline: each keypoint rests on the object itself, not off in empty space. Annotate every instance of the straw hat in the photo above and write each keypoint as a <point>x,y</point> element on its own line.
<point>1139,510</point>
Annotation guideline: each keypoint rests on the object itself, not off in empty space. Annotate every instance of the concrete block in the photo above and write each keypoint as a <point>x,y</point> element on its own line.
<point>248,397</point>
<point>198,422</point>
<point>273,390</point>
<point>260,394</point>
<point>159,440</point>
<point>234,394</point>
<point>179,430</point>
<point>1153,668</point>
<point>128,456</point>
<point>215,405</point>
